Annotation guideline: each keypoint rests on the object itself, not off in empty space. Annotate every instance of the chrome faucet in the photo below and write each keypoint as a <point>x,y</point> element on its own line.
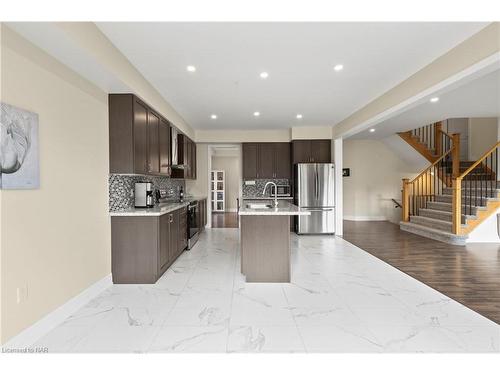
<point>275,192</point>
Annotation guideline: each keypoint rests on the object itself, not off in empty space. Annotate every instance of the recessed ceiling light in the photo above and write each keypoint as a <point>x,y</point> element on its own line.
<point>372,130</point>
<point>256,114</point>
<point>191,68</point>
<point>299,116</point>
<point>264,75</point>
<point>213,117</point>
<point>338,67</point>
<point>434,99</point>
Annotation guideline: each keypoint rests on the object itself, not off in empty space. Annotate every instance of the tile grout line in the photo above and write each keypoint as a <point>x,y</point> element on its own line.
<point>177,300</point>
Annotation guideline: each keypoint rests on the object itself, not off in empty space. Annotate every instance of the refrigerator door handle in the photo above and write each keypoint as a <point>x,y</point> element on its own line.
<point>316,183</point>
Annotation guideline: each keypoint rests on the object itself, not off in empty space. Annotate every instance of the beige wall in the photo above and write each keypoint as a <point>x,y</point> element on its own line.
<point>312,132</point>
<point>88,36</point>
<point>236,136</point>
<point>231,165</point>
<point>261,135</point>
<point>483,134</point>
<point>376,174</point>
<point>54,240</point>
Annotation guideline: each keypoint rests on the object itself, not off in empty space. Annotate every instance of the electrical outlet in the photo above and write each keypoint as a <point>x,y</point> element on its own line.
<point>250,183</point>
<point>21,294</point>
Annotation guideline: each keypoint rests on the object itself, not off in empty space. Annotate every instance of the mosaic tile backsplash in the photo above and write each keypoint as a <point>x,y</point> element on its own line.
<point>121,188</point>
<point>256,190</point>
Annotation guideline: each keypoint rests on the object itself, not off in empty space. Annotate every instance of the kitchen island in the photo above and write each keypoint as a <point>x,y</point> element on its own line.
<point>265,240</point>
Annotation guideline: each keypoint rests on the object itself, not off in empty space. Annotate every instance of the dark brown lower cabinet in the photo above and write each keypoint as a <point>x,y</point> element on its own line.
<point>143,247</point>
<point>202,204</point>
<point>182,240</point>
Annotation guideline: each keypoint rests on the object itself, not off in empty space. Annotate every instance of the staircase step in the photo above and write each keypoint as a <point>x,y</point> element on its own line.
<point>442,215</point>
<point>444,206</point>
<point>431,223</point>
<point>472,189</point>
<point>466,198</point>
<point>435,234</point>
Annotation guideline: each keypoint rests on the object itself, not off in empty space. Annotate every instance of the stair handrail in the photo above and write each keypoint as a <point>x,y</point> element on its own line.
<point>479,161</point>
<point>457,187</point>
<point>454,151</point>
<point>431,165</point>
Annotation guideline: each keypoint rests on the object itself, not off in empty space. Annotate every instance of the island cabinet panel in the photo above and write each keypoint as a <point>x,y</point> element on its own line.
<point>249,151</point>
<point>164,144</point>
<point>143,247</point>
<point>311,151</point>
<point>153,143</point>
<point>266,160</point>
<point>265,248</point>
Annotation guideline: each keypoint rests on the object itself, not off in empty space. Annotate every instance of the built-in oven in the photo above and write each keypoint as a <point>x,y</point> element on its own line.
<point>283,190</point>
<point>193,223</point>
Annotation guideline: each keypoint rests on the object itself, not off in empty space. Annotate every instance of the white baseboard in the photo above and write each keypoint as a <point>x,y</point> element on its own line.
<point>39,329</point>
<point>365,218</point>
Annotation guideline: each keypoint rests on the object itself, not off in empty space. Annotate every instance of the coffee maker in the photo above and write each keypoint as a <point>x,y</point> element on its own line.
<point>143,195</point>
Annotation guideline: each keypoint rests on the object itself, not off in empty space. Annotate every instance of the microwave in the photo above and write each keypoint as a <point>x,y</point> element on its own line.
<point>283,190</point>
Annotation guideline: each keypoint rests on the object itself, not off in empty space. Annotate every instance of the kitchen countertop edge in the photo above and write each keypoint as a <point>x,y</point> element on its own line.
<point>158,210</point>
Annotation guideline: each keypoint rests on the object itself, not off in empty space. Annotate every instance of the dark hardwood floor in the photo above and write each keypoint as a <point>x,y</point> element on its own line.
<point>468,274</point>
<point>225,220</point>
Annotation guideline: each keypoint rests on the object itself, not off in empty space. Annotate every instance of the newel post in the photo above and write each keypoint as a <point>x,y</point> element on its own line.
<point>456,208</point>
<point>405,200</point>
<point>437,139</point>
<point>455,155</point>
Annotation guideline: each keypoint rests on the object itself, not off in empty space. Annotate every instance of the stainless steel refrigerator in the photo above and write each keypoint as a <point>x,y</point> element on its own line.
<point>315,191</point>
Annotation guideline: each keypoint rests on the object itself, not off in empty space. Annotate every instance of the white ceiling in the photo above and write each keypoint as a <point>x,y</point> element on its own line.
<point>477,98</point>
<point>299,58</point>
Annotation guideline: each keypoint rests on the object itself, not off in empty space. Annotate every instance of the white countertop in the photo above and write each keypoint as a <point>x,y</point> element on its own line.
<point>284,209</point>
<point>161,209</point>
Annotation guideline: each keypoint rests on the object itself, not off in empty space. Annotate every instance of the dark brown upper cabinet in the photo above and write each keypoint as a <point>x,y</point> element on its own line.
<point>266,160</point>
<point>283,165</point>
<point>153,143</point>
<point>250,151</point>
<point>311,151</point>
<point>139,138</point>
<point>164,144</point>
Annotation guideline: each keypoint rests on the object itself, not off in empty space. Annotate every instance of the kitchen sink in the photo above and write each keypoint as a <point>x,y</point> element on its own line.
<point>259,206</point>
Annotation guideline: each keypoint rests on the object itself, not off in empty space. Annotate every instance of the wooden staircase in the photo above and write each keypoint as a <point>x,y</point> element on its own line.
<point>450,198</point>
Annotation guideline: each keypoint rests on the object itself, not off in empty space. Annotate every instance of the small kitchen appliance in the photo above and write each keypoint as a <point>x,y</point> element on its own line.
<point>143,195</point>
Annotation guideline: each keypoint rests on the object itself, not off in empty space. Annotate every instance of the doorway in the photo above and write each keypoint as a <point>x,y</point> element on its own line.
<point>224,176</point>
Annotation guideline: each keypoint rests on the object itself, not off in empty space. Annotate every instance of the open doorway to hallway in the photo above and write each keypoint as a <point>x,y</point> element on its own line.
<point>224,185</point>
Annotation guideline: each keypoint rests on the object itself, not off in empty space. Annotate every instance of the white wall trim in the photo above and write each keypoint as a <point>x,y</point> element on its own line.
<point>338,155</point>
<point>36,331</point>
<point>365,218</point>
